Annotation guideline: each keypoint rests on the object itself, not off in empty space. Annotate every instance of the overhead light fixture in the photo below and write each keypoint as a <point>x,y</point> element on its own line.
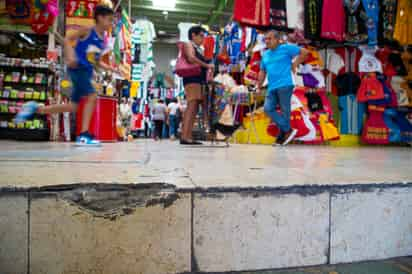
<point>161,32</point>
<point>165,12</point>
<point>166,4</point>
<point>26,38</point>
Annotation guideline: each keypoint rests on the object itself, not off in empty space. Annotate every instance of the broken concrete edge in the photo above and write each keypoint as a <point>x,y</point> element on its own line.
<point>305,190</point>
<point>111,201</point>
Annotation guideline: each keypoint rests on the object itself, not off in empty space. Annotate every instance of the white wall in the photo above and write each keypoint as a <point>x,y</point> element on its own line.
<point>163,53</point>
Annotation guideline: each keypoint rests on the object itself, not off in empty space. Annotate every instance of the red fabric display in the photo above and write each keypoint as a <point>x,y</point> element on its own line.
<point>333,20</point>
<point>253,70</point>
<point>375,130</point>
<point>297,122</point>
<point>370,89</point>
<point>253,13</point>
<point>209,45</point>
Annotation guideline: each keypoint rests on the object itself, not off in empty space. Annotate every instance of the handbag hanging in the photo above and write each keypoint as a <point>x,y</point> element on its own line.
<point>183,67</point>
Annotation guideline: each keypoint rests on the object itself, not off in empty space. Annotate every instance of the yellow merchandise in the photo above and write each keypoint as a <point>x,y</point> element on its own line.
<point>134,88</point>
<point>403,25</point>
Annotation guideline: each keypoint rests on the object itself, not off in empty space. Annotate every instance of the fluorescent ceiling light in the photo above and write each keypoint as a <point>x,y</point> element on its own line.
<point>167,4</point>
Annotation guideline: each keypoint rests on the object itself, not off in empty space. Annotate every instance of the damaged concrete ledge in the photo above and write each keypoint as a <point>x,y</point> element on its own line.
<point>160,228</point>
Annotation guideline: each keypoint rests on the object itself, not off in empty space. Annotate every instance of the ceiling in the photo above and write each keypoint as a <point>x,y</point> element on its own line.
<point>215,13</point>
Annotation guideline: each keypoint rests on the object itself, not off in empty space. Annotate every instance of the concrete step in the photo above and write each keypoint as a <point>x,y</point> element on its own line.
<point>155,208</point>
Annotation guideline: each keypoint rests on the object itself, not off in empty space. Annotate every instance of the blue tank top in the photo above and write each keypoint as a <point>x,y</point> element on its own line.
<point>89,50</point>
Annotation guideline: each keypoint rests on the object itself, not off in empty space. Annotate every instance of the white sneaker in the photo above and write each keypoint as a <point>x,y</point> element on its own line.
<point>290,136</point>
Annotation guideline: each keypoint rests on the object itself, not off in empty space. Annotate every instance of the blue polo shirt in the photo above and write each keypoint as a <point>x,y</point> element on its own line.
<point>278,65</point>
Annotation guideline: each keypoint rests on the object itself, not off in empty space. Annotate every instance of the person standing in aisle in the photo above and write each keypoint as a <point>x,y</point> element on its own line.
<point>159,116</point>
<point>173,109</point>
<point>83,50</point>
<point>126,116</point>
<point>278,62</point>
<point>193,85</point>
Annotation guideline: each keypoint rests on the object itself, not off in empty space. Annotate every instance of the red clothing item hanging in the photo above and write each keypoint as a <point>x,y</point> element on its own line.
<point>333,20</point>
<point>375,131</point>
<point>252,12</point>
<point>209,45</point>
<point>370,89</point>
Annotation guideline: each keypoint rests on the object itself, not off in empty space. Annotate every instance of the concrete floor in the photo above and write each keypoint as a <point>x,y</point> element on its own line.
<point>28,165</point>
<point>395,266</point>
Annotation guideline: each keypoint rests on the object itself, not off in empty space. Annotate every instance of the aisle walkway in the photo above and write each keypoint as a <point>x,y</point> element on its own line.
<point>42,164</point>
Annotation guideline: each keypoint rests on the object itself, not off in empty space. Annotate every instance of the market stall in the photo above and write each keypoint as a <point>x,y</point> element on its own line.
<point>356,84</point>
<point>28,66</point>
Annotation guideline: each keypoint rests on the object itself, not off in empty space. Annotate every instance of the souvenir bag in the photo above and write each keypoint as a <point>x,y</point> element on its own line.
<point>329,130</point>
<point>370,89</point>
<point>375,130</point>
<point>183,67</point>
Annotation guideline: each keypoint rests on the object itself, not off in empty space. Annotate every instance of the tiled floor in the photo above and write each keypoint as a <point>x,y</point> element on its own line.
<point>41,164</point>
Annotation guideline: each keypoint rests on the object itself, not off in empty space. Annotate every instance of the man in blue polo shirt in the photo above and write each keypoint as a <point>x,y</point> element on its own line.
<point>278,62</point>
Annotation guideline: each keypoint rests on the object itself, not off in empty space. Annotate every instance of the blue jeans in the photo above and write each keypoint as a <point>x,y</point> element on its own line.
<point>282,97</point>
<point>173,125</point>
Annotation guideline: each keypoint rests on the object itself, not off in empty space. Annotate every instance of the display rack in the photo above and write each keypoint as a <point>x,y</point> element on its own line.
<point>22,81</point>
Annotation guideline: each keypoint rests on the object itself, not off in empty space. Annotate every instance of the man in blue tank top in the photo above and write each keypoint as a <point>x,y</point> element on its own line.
<point>81,60</point>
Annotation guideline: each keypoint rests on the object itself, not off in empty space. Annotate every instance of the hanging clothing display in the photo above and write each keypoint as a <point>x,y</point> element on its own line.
<point>352,114</point>
<point>333,20</point>
<point>356,21</point>
<point>368,61</point>
<point>387,20</point>
<point>375,130</point>
<point>372,12</point>
<point>370,89</point>
<point>143,34</point>
<point>184,31</point>
<point>403,25</point>
<point>355,69</point>
<point>278,18</point>
<point>295,15</point>
<point>252,12</point>
<point>313,18</point>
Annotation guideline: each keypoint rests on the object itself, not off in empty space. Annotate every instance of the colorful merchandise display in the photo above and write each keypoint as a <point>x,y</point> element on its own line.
<point>358,70</point>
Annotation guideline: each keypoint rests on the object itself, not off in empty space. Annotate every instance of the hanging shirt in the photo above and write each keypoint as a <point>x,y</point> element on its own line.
<point>295,14</point>
<point>277,63</point>
<point>209,46</point>
<point>184,31</point>
<point>368,61</point>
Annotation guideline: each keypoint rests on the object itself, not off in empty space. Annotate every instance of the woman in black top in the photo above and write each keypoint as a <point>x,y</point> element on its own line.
<point>193,85</point>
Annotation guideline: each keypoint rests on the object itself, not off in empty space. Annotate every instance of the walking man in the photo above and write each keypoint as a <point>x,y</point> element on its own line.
<point>278,62</point>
